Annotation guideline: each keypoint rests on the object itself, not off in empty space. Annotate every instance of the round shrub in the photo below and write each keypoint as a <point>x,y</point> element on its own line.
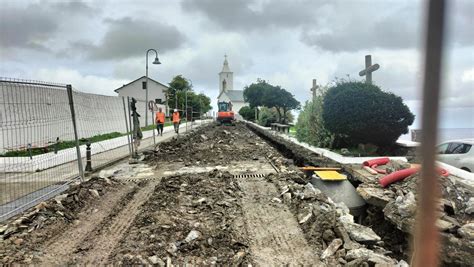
<point>363,113</point>
<point>247,113</point>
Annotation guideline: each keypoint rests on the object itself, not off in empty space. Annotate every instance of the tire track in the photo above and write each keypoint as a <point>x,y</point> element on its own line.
<point>59,249</point>
<point>276,238</point>
<point>108,237</point>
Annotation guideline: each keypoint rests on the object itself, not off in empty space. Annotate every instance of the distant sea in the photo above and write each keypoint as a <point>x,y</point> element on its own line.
<point>446,134</point>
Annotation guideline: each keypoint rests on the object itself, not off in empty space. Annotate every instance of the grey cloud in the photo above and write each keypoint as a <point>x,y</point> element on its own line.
<point>247,15</point>
<point>367,27</point>
<point>27,27</point>
<point>460,22</point>
<point>34,24</point>
<point>74,7</point>
<point>127,38</point>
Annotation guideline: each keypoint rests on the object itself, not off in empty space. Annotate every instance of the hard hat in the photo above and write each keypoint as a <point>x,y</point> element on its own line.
<point>175,110</point>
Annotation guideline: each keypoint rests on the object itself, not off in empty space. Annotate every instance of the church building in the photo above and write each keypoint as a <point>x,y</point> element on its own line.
<point>226,89</point>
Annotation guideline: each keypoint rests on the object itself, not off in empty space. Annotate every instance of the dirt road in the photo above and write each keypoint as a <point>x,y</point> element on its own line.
<point>211,198</point>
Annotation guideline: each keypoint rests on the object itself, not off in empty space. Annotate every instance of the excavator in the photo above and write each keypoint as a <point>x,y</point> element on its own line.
<point>225,115</point>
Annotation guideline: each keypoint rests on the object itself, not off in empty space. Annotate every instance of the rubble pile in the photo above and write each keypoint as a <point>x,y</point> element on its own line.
<point>24,232</point>
<point>328,226</point>
<point>391,210</point>
<point>398,204</point>
<point>212,145</point>
<point>191,218</point>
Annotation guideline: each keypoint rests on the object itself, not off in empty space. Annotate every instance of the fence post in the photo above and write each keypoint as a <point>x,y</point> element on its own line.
<point>88,157</point>
<point>73,117</point>
<point>152,110</point>
<point>131,129</point>
<point>126,125</point>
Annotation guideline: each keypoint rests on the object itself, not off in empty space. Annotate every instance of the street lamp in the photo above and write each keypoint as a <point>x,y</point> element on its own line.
<point>186,101</point>
<point>156,62</point>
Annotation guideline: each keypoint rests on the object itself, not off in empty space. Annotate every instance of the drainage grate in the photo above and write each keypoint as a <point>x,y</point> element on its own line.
<point>251,175</point>
<point>137,179</point>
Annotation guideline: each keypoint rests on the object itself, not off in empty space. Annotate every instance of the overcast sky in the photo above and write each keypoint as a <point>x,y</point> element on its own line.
<point>99,45</point>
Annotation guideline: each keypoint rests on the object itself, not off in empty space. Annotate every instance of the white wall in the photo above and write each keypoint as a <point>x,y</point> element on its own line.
<point>236,106</point>
<point>135,90</point>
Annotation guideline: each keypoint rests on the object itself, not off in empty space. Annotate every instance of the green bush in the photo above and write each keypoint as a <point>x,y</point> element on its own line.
<point>267,116</point>
<point>363,113</point>
<point>310,125</point>
<point>247,113</point>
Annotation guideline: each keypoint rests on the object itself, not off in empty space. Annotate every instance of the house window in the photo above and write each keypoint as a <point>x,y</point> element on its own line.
<point>143,85</point>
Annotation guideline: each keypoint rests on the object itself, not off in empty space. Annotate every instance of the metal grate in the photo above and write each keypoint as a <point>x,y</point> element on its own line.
<point>250,175</point>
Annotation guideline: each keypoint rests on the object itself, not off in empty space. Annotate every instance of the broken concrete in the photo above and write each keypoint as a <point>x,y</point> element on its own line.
<point>369,256</point>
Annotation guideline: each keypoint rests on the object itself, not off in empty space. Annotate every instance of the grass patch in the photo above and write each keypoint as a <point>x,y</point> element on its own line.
<point>293,131</point>
<point>61,145</point>
<point>70,144</point>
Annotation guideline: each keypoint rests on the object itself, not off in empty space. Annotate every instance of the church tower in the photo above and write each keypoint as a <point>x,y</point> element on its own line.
<point>226,79</point>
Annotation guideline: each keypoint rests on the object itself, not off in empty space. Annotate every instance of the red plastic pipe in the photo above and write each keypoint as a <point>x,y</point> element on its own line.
<point>374,167</point>
<point>379,161</point>
<point>442,172</point>
<point>397,176</point>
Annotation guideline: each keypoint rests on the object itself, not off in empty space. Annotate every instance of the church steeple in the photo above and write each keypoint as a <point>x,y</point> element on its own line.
<point>226,79</point>
<point>225,67</point>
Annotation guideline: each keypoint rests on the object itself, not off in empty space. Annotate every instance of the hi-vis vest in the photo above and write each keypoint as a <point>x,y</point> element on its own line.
<point>175,117</point>
<point>160,117</point>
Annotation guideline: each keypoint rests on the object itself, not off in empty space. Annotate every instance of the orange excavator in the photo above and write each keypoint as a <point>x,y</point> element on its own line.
<point>225,113</point>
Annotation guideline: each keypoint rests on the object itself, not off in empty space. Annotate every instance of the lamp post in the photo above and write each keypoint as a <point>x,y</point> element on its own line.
<point>186,101</point>
<point>156,62</point>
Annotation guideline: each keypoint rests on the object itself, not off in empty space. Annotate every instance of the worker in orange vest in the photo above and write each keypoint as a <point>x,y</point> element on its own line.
<point>160,121</point>
<point>176,119</point>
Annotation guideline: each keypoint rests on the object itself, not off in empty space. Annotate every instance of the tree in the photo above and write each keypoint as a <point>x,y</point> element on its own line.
<point>363,113</point>
<point>253,94</point>
<point>262,93</point>
<point>176,92</point>
<point>247,113</point>
<point>180,89</point>
<point>310,124</point>
<point>280,99</point>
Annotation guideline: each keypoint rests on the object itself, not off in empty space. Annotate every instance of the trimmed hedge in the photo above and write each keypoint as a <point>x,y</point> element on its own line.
<point>358,112</point>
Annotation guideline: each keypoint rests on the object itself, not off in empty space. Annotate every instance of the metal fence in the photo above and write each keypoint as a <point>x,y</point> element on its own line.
<point>42,151</point>
<point>35,122</point>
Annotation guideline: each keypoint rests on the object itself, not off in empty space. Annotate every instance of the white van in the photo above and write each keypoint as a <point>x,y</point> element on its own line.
<point>457,153</point>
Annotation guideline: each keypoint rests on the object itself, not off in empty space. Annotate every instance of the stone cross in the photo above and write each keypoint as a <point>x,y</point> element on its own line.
<point>369,68</point>
<point>314,88</point>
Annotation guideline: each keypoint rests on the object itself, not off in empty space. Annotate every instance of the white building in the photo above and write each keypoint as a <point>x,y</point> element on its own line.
<point>136,89</point>
<point>226,89</point>
<point>156,91</point>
